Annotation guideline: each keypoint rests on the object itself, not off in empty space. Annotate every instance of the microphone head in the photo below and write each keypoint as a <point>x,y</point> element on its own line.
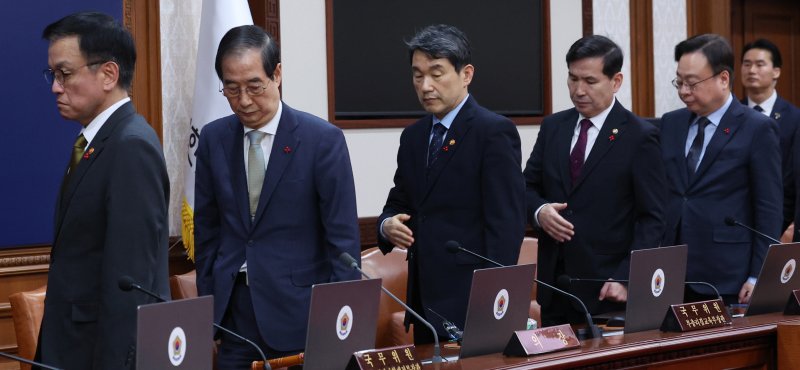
<point>126,283</point>
<point>564,281</point>
<point>348,260</point>
<point>730,221</point>
<point>452,246</point>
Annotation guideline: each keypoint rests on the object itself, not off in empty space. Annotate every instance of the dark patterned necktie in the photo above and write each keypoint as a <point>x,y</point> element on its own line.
<point>693,158</point>
<point>579,151</point>
<point>436,143</point>
<point>759,109</point>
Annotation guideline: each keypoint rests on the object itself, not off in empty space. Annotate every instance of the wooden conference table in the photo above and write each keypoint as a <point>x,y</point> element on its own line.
<point>750,343</point>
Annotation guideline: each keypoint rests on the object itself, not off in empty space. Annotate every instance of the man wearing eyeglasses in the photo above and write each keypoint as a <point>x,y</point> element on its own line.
<point>723,161</point>
<point>275,205</point>
<point>111,213</point>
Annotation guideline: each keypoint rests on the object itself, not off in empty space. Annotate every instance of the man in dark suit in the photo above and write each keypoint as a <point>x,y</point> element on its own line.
<point>275,205</point>
<point>111,215</point>
<point>458,178</point>
<point>594,186</point>
<point>723,160</point>
<point>761,68</point>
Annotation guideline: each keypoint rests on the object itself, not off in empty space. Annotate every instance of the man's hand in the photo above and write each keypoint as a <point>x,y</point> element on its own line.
<point>397,232</point>
<point>746,292</point>
<point>553,224</point>
<point>614,292</point>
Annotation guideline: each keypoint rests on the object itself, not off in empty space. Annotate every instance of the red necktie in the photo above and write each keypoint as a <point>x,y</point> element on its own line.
<point>579,151</point>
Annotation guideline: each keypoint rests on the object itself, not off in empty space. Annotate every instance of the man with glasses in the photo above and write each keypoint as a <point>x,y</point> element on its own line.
<point>275,205</point>
<point>723,161</point>
<point>111,213</point>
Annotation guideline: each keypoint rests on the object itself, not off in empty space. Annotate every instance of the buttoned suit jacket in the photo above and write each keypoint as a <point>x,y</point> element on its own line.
<point>306,217</point>
<point>471,194</point>
<point>111,221</point>
<point>739,176</point>
<point>616,205</point>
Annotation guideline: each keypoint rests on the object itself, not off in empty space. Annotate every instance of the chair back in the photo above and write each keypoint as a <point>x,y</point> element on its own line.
<point>393,269</point>
<point>183,286</point>
<point>27,309</point>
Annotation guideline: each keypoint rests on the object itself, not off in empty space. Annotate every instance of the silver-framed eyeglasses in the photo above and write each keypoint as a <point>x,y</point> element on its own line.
<point>680,84</point>
<point>252,90</point>
<point>62,75</point>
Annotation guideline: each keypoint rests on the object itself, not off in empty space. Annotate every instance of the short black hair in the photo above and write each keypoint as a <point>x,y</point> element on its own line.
<point>594,46</point>
<point>242,38</point>
<point>101,38</point>
<point>716,49</point>
<point>768,46</point>
<point>442,41</point>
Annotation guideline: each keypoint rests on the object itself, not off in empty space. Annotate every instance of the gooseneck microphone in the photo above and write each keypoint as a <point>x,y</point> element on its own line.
<point>592,331</point>
<point>351,262</point>
<point>564,280</point>
<point>730,221</point>
<point>126,283</point>
<point>29,362</point>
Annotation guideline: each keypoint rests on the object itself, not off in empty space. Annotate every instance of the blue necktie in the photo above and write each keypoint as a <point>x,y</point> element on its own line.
<point>436,143</point>
<point>693,158</point>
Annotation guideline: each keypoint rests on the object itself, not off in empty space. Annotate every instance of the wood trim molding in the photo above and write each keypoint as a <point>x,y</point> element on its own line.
<point>547,70</point>
<point>708,16</point>
<point>142,18</point>
<point>642,79</point>
<point>267,15</point>
<point>16,261</point>
<point>588,17</point>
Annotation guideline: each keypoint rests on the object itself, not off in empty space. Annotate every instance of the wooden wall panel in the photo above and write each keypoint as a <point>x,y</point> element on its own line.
<point>142,18</point>
<point>641,58</point>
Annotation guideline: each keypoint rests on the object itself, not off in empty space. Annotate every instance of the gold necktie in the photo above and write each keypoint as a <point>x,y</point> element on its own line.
<point>77,152</point>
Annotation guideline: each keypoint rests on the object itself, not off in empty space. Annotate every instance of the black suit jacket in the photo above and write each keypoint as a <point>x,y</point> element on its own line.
<point>615,206</point>
<point>740,177</point>
<point>111,220</point>
<point>472,194</point>
<point>788,118</point>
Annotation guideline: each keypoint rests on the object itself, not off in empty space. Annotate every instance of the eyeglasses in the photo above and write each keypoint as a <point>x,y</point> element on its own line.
<point>679,84</point>
<point>234,92</point>
<point>61,75</point>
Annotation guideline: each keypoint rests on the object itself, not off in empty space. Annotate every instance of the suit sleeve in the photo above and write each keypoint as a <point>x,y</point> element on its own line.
<point>333,176</point>
<point>533,175</point>
<point>396,202</point>
<point>135,241</point>
<point>206,218</point>
<point>650,195</point>
<point>767,195</point>
<point>503,190</point>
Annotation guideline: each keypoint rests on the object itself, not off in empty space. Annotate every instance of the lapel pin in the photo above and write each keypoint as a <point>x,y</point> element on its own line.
<point>612,138</point>
<point>287,149</point>
<point>452,141</point>
<point>445,148</point>
<point>777,115</point>
<point>88,153</point>
<point>614,131</point>
<point>726,130</point>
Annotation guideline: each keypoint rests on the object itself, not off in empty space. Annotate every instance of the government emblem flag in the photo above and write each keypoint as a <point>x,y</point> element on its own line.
<point>217,17</point>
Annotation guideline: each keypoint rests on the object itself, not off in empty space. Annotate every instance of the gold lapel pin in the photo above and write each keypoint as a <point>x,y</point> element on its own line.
<point>452,141</point>
<point>614,131</point>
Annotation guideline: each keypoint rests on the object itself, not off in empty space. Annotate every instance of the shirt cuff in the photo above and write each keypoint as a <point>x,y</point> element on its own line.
<point>380,229</point>
<point>536,215</point>
<point>752,280</point>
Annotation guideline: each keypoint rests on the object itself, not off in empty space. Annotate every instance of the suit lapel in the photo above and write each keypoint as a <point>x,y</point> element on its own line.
<point>284,146</point>
<point>780,109</point>
<point>683,134</point>
<point>612,131</point>
<point>726,129</point>
<point>563,142</point>
<point>233,148</point>
<point>450,144</point>
<point>92,152</point>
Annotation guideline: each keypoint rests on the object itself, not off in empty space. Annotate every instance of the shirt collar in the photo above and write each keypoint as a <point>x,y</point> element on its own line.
<point>272,126</point>
<point>91,130</point>
<point>598,120</point>
<point>448,119</point>
<point>766,105</point>
<point>716,116</point>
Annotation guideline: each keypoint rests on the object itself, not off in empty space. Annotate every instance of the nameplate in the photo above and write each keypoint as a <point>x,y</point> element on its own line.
<point>391,358</point>
<point>542,340</point>
<point>793,305</point>
<point>696,316</point>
